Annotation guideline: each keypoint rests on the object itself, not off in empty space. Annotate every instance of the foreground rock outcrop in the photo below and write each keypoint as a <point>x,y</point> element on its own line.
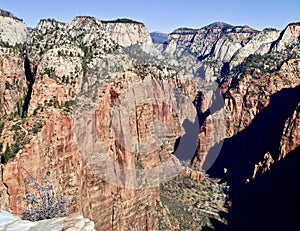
<point>10,222</point>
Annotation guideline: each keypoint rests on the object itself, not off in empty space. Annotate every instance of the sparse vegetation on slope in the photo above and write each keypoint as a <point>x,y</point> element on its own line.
<point>190,204</point>
<point>41,200</point>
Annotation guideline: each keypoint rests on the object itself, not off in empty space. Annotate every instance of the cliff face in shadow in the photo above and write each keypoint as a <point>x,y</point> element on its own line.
<point>240,153</point>
<point>269,201</point>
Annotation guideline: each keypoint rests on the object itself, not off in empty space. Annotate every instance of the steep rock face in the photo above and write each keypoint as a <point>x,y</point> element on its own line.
<point>13,90</point>
<point>260,154</point>
<point>124,32</point>
<point>253,106</point>
<point>54,148</point>
<point>127,33</point>
<point>86,193</point>
<point>218,40</point>
<point>45,24</point>
<point>289,35</point>
<point>218,48</point>
<point>259,44</point>
<point>12,83</point>
<point>136,115</point>
<point>12,30</point>
<point>290,137</point>
<point>210,47</point>
<point>4,198</point>
<point>249,97</point>
<point>54,69</point>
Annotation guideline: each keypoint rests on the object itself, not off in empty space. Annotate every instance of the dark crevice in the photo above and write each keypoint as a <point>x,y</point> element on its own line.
<point>225,70</point>
<point>274,43</point>
<point>30,77</point>
<point>212,51</point>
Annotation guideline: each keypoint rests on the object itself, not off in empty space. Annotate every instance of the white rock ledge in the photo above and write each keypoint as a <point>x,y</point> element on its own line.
<point>9,222</point>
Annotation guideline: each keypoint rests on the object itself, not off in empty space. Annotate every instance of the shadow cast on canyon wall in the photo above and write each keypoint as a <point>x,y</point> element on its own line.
<point>185,147</point>
<point>30,78</point>
<point>271,201</point>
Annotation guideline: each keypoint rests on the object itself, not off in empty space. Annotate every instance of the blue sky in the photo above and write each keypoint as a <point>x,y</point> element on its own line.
<point>162,15</point>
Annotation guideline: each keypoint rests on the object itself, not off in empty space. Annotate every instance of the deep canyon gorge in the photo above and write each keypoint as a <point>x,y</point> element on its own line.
<point>142,131</point>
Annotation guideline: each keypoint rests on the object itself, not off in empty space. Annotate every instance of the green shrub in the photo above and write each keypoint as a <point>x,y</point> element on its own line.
<point>1,127</point>
<point>8,86</point>
<point>7,155</point>
<point>36,128</point>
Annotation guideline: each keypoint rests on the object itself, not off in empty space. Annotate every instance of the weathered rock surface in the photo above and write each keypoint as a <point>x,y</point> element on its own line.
<point>126,32</point>
<point>259,44</point>
<point>219,47</point>
<point>216,43</point>
<point>57,76</point>
<point>10,222</point>
<point>288,36</point>
<point>245,101</point>
<point>12,83</point>
<point>49,78</point>
<point>12,30</point>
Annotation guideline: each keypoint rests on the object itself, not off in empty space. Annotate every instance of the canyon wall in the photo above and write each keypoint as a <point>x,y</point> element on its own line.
<point>100,109</point>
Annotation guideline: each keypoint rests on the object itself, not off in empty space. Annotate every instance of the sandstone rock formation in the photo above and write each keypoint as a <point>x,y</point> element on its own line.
<point>246,101</point>
<point>97,106</point>
<point>127,32</point>
<point>220,47</point>
<point>257,62</point>
<point>216,43</point>
<point>124,32</point>
<point>48,78</point>
<point>62,62</point>
<point>288,36</point>
<point>13,30</point>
